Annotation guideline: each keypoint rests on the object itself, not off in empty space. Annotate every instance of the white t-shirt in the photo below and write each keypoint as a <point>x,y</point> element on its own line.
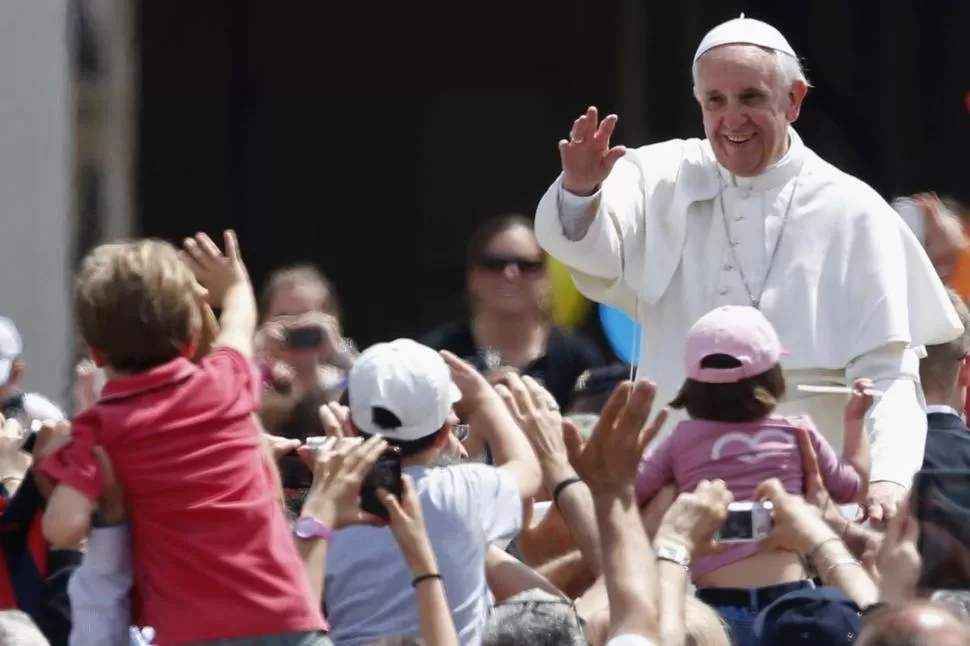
<point>368,593</point>
<point>630,640</point>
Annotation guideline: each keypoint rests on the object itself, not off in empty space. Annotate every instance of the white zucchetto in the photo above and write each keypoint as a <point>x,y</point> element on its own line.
<point>744,31</point>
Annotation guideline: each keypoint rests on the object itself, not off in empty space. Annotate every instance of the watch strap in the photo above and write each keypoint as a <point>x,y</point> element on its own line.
<point>676,554</point>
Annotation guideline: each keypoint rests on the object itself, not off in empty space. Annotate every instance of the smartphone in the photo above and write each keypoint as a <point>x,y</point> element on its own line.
<point>940,503</point>
<point>386,474</point>
<point>307,337</point>
<point>747,522</point>
<point>294,473</point>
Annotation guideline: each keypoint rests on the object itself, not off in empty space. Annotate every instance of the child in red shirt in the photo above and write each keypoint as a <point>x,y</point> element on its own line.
<point>212,553</point>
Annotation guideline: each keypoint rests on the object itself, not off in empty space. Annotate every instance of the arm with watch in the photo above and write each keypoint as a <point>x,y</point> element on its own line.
<point>688,528</point>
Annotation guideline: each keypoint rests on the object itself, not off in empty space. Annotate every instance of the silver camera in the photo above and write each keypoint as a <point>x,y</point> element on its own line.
<point>747,522</point>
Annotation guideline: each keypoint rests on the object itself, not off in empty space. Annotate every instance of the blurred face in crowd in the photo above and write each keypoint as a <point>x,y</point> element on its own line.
<point>509,276</point>
<point>298,297</point>
<point>747,106</point>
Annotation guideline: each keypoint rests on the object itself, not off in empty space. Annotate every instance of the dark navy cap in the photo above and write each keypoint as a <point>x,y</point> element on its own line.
<point>809,616</point>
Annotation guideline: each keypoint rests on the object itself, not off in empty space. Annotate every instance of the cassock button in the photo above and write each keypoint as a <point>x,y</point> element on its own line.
<point>738,218</point>
<point>723,291</point>
<point>728,267</point>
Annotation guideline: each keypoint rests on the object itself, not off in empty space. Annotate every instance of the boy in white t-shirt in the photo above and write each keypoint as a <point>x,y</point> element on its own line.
<point>404,392</point>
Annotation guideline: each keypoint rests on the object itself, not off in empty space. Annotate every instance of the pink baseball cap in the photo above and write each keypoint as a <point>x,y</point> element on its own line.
<point>737,331</point>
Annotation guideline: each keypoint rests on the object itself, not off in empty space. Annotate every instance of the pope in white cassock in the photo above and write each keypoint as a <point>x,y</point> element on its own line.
<point>751,216</point>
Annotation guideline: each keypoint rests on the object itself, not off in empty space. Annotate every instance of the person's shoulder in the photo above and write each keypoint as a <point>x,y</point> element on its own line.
<point>801,420</point>
<point>469,479</point>
<point>451,336</point>
<point>854,195</point>
<point>576,344</point>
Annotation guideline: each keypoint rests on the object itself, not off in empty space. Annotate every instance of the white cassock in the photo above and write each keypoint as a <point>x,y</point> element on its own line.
<point>672,234</point>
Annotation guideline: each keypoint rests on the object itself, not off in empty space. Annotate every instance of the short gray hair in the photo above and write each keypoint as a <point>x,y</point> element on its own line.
<point>534,618</point>
<point>939,368</point>
<point>788,68</point>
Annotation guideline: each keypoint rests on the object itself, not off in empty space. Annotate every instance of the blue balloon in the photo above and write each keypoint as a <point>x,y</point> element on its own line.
<point>622,332</point>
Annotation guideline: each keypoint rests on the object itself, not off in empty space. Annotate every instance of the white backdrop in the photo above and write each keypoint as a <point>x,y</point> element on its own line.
<point>36,153</point>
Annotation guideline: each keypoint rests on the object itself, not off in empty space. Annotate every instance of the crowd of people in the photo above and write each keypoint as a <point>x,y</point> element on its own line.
<point>787,465</point>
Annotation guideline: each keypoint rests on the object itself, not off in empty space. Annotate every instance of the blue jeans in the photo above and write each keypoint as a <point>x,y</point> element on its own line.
<point>739,607</point>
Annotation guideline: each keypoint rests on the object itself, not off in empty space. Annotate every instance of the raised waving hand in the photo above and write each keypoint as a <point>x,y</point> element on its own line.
<point>587,157</point>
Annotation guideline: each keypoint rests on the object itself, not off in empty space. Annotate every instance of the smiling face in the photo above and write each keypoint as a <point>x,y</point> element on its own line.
<point>509,276</point>
<point>747,106</point>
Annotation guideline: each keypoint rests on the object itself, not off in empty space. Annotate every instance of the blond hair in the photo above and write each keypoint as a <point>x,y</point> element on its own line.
<point>135,304</point>
<point>703,625</point>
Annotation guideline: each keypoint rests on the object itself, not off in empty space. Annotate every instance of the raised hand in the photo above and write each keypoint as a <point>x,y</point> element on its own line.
<point>587,157</point>
<point>213,270</point>
<point>608,463</point>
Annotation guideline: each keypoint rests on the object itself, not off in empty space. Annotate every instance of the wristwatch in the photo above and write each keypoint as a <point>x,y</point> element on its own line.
<point>675,554</point>
<point>309,527</point>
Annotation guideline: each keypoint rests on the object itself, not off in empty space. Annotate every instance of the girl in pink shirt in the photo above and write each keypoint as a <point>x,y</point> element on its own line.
<point>734,381</point>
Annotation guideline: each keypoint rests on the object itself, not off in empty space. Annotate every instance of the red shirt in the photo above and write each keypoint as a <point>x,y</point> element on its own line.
<point>212,552</point>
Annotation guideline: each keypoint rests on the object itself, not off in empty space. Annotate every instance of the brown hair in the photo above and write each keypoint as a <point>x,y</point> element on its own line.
<point>483,235</point>
<point>744,401</point>
<point>298,275</point>
<point>136,305</point>
<point>488,229</point>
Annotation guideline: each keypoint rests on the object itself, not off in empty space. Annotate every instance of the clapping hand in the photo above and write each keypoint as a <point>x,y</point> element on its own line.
<point>609,461</point>
<point>898,561</point>
<point>587,157</point>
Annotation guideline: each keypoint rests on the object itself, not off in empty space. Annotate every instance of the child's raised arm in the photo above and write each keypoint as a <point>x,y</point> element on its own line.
<point>855,442</point>
<point>225,278</point>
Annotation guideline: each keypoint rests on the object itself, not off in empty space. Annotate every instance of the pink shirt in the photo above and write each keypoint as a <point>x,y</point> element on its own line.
<point>743,456</point>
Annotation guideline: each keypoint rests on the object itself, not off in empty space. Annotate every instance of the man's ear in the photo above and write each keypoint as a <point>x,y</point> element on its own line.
<point>442,438</point>
<point>795,98</point>
<point>963,377</point>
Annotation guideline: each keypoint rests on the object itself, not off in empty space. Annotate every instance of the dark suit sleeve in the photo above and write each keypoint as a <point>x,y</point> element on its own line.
<point>44,598</point>
<point>54,614</point>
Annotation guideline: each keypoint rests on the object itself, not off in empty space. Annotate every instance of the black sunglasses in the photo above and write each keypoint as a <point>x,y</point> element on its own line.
<point>500,263</point>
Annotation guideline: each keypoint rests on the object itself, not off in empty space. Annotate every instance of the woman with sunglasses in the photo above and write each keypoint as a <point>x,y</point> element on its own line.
<point>508,326</point>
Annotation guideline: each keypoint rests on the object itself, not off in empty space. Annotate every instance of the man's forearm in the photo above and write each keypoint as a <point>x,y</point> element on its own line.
<point>628,566</point>
<point>672,597</point>
<point>576,506</point>
<point>576,212</point>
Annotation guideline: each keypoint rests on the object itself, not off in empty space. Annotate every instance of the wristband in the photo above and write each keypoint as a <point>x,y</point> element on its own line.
<point>559,488</point>
<point>424,577</point>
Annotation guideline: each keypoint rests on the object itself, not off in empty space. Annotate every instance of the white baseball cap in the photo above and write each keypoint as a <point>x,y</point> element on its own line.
<point>744,31</point>
<point>406,378</point>
<point>11,347</point>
